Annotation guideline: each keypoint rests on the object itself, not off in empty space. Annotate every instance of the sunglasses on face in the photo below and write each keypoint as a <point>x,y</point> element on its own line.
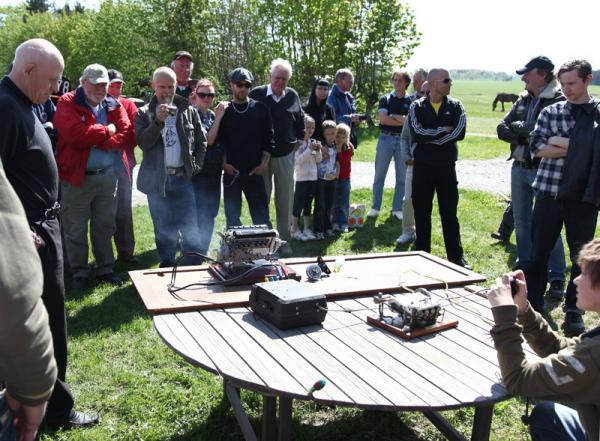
<point>203,95</point>
<point>446,80</point>
<point>243,85</point>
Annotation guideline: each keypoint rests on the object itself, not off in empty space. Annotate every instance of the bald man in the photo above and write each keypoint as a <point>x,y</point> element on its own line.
<point>169,132</point>
<point>437,122</point>
<point>26,153</point>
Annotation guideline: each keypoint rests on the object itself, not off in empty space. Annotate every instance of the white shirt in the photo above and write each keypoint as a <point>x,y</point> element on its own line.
<point>171,143</point>
<point>272,95</point>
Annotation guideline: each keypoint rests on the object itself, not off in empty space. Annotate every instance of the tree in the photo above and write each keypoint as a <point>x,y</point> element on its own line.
<point>37,6</point>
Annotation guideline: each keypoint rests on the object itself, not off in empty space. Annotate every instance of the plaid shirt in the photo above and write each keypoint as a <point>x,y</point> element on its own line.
<point>554,120</point>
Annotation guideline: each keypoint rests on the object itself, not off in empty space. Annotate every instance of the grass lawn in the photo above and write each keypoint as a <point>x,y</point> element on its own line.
<point>119,367</point>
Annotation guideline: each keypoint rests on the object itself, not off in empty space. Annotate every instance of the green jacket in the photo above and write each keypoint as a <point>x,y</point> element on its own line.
<point>192,139</point>
<point>27,364</point>
<point>568,370</point>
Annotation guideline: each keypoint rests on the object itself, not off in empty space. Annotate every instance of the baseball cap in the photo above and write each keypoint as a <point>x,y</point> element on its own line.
<point>241,75</point>
<point>539,62</point>
<point>115,76</point>
<point>183,54</point>
<point>95,73</point>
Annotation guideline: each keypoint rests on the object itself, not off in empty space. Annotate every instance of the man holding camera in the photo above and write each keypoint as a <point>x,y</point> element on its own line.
<point>437,122</point>
<point>92,129</point>
<point>342,102</point>
<point>169,132</point>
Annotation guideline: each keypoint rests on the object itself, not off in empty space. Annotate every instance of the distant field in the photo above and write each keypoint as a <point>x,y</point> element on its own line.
<point>477,98</point>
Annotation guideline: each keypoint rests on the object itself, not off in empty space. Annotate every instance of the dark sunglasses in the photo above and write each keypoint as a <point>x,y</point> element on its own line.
<point>446,80</point>
<point>203,95</point>
<point>245,85</point>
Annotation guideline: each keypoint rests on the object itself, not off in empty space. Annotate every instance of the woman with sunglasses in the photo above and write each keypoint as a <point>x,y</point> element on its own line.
<point>207,183</point>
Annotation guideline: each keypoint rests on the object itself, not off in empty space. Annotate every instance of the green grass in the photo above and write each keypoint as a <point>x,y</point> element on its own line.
<point>119,367</point>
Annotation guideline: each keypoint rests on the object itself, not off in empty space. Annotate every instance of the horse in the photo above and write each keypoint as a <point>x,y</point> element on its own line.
<point>502,98</point>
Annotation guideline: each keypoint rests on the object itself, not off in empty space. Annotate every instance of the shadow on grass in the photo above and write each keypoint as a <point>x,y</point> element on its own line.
<point>119,306</point>
<point>221,424</point>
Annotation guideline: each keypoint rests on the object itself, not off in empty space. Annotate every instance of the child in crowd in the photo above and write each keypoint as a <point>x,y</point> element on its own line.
<point>327,174</point>
<point>306,157</point>
<point>341,204</point>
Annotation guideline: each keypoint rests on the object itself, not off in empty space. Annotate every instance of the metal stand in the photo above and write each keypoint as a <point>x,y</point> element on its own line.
<point>274,428</point>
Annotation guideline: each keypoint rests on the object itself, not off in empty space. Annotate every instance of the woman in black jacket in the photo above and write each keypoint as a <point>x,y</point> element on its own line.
<point>318,108</point>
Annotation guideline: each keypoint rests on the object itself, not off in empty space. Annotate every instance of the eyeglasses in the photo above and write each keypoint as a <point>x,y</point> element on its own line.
<point>243,85</point>
<point>203,95</point>
<point>446,80</point>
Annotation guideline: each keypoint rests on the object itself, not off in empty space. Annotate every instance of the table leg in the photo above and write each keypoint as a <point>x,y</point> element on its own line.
<point>269,419</point>
<point>241,417</point>
<point>285,418</point>
<point>444,426</point>
<point>482,423</point>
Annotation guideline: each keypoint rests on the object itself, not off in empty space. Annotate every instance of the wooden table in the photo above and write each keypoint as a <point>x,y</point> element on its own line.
<point>364,367</point>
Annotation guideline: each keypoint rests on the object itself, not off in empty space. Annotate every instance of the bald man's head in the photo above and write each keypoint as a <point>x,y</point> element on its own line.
<point>37,69</point>
<point>439,82</point>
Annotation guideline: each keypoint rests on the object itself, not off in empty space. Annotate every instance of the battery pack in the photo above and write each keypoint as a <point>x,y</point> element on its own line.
<point>288,303</point>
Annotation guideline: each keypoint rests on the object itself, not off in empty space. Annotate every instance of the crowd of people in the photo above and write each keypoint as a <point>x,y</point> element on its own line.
<point>264,142</point>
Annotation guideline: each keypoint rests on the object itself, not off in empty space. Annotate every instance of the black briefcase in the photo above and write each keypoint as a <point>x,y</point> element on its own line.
<point>288,303</point>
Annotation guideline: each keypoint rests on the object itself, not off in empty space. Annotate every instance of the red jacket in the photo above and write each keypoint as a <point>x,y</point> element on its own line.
<point>131,110</point>
<point>78,133</point>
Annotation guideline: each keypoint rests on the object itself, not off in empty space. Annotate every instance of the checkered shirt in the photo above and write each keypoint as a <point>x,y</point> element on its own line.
<point>554,120</point>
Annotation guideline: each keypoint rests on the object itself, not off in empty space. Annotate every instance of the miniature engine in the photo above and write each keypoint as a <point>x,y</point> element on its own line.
<point>248,254</point>
<point>414,310</point>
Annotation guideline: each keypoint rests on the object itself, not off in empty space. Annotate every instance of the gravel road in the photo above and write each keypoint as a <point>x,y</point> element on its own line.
<point>491,175</point>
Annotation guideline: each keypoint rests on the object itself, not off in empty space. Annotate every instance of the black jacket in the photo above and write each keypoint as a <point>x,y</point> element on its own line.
<point>514,128</point>
<point>434,145</point>
<point>288,118</point>
<point>581,170</point>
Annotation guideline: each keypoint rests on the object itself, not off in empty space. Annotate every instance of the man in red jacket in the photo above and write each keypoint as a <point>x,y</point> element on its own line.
<point>124,238</point>
<point>92,130</point>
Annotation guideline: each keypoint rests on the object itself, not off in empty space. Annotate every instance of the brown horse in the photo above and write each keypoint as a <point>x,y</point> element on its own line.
<point>504,98</point>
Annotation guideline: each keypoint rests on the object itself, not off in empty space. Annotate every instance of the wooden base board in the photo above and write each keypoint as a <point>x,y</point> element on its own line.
<point>363,274</point>
<point>420,332</point>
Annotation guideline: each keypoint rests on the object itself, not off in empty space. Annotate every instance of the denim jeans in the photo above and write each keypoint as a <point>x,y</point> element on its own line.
<point>174,215</point>
<point>207,189</point>
<point>522,202</point>
<point>253,188</point>
<point>388,147</point>
<point>7,430</point>
<point>553,421</point>
<point>341,203</point>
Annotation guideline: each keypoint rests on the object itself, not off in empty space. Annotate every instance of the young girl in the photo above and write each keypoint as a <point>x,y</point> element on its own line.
<point>327,174</point>
<point>341,204</point>
<point>307,156</point>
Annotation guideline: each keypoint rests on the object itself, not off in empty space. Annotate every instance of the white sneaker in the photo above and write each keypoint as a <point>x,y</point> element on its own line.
<point>298,235</point>
<point>405,238</point>
<point>343,229</point>
<point>320,236</point>
<point>308,234</point>
<point>398,214</point>
<point>373,213</point>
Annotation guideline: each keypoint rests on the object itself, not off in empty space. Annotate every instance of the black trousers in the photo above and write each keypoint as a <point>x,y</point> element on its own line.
<point>53,296</point>
<point>441,180</point>
<point>253,188</point>
<point>304,194</point>
<point>549,215</point>
<point>124,237</point>
<point>323,204</point>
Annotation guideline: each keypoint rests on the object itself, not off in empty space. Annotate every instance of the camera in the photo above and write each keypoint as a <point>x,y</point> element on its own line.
<point>363,116</point>
<point>172,110</point>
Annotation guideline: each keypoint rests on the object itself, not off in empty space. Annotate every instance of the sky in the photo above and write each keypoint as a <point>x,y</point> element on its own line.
<point>504,35</point>
<point>491,34</point>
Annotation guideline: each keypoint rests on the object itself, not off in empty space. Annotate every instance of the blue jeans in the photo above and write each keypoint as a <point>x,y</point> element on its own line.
<point>388,147</point>
<point>341,203</point>
<point>522,196</point>
<point>172,216</point>
<point>553,421</point>
<point>7,430</point>
<point>253,188</point>
<point>207,189</point>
